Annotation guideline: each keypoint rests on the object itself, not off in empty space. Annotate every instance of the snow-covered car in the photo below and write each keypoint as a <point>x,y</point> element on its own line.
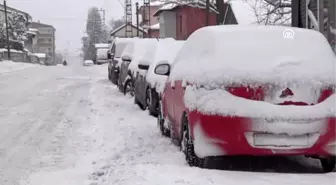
<point>130,60</point>
<point>101,53</point>
<point>142,88</point>
<point>252,90</point>
<point>165,53</point>
<point>88,63</point>
<point>117,49</point>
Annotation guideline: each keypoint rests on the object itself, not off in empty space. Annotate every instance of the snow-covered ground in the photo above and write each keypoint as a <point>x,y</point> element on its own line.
<point>8,66</point>
<point>71,126</point>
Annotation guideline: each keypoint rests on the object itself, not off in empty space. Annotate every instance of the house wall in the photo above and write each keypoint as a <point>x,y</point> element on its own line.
<point>229,17</point>
<point>190,19</point>
<point>121,33</point>
<point>167,21</point>
<point>153,33</point>
<point>144,15</point>
<point>46,41</point>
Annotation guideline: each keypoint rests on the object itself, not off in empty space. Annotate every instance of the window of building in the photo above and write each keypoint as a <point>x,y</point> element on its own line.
<point>49,40</point>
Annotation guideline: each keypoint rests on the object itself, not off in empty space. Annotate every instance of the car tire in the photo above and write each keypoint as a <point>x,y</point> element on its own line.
<point>109,75</point>
<point>328,164</point>
<point>187,147</point>
<point>152,104</point>
<point>129,88</point>
<point>136,101</point>
<point>161,120</point>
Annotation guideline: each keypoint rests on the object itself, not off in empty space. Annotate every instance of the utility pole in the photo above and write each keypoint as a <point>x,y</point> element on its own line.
<point>207,12</point>
<point>128,18</point>
<point>147,16</point>
<point>137,17</point>
<point>7,35</point>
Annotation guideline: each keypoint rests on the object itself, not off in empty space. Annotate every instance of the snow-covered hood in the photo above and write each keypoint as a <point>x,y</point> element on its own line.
<point>221,102</point>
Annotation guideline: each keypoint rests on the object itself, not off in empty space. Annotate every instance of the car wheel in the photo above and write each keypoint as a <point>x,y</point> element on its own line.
<point>136,101</point>
<point>109,75</point>
<point>187,147</point>
<point>161,120</point>
<point>328,164</point>
<point>129,88</point>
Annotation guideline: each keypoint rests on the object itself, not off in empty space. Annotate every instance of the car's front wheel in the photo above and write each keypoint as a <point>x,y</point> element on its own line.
<point>187,147</point>
<point>328,164</point>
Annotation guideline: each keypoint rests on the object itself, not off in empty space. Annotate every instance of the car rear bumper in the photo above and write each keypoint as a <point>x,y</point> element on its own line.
<point>220,135</point>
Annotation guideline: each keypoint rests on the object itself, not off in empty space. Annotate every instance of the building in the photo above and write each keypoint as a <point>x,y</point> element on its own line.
<point>180,20</point>
<point>31,42</point>
<point>148,21</point>
<point>121,32</point>
<point>12,11</point>
<point>46,40</point>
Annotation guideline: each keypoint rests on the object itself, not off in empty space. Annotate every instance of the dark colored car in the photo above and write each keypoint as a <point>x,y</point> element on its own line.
<point>115,60</point>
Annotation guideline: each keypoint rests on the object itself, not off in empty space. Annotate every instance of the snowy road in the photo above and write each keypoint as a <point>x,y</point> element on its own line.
<point>71,126</point>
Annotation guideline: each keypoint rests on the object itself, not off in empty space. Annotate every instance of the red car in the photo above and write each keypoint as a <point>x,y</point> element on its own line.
<point>251,90</point>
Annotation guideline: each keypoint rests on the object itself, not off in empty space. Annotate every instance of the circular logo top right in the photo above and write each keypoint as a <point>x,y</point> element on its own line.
<point>288,34</point>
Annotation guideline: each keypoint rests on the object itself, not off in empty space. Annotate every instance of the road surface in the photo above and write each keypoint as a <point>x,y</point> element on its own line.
<point>71,126</point>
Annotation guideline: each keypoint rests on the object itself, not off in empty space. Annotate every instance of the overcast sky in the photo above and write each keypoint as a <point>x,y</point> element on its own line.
<point>67,16</point>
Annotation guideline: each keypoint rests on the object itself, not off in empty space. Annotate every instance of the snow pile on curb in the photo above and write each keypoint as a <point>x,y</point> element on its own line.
<point>8,66</point>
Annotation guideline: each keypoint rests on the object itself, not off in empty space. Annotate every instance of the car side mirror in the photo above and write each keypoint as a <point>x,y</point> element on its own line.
<point>126,58</point>
<point>162,69</point>
<point>143,67</point>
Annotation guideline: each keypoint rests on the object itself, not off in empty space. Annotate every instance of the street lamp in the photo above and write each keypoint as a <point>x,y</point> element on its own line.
<point>6,19</point>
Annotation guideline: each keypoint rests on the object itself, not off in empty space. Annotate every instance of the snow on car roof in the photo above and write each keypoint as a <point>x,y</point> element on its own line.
<point>143,52</point>
<point>252,53</point>
<point>165,53</point>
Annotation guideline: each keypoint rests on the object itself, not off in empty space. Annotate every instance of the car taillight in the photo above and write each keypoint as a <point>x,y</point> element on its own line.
<point>248,92</point>
<point>325,93</point>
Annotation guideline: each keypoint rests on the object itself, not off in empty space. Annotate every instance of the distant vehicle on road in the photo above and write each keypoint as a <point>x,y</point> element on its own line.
<point>88,63</point>
<point>101,53</point>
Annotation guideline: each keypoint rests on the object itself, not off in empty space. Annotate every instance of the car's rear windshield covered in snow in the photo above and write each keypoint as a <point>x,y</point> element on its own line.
<point>143,49</point>
<point>121,43</point>
<point>219,54</point>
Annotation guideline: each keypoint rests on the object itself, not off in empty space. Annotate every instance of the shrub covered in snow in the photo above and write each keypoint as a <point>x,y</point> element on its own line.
<point>165,53</point>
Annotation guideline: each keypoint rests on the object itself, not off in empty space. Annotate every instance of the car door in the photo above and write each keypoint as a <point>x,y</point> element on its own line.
<point>179,106</point>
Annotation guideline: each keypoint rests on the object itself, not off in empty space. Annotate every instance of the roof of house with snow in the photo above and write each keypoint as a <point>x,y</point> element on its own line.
<point>124,25</point>
<point>171,6</point>
<point>39,25</point>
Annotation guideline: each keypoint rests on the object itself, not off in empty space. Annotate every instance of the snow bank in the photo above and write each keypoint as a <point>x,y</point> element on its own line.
<point>40,55</point>
<point>218,55</point>
<point>165,53</point>
<point>143,52</point>
<point>221,102</point>
<point>12,50</point>
<point>8,66</point>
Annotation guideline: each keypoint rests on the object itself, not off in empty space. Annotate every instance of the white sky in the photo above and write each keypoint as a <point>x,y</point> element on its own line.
<point>67,16</point>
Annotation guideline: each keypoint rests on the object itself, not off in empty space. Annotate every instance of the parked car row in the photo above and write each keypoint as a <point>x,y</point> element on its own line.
<point>235,91</point>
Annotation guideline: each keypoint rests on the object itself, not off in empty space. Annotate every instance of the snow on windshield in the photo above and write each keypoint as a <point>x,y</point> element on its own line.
<point>237,54</point>
<point>165,53</point>
<point>141,46</point>
<point>121,43</point>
